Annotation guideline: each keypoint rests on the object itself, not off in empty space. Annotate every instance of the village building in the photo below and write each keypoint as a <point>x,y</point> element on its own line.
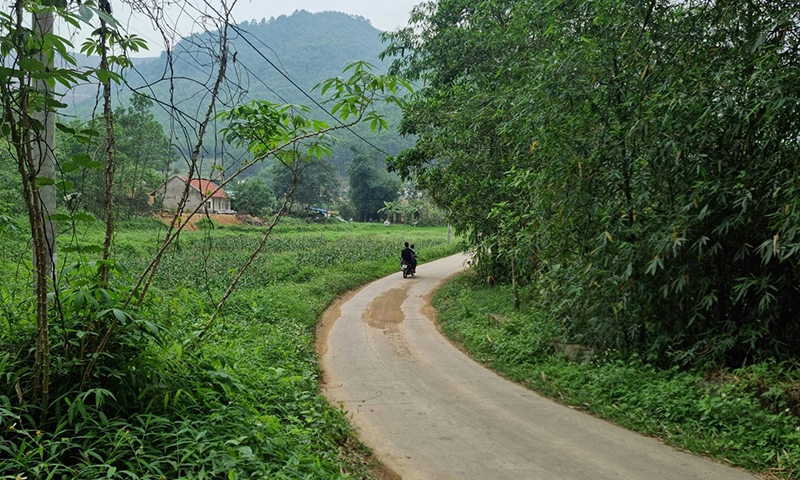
<point>199,188</point>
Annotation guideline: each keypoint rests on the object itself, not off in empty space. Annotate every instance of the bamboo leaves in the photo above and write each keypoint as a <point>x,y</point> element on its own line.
<point>630,137</point>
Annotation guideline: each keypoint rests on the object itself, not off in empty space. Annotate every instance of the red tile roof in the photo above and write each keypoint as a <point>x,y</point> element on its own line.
<point>206,186</point>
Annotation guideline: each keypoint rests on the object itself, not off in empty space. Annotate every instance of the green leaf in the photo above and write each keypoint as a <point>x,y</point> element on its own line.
<point>64,128</point>
<point>120,315</point>
<point>84,217</point>
<point>91,132</point>
<point>53,103</point>
<point>86,161</point>
<point>65,185</point>
<point>85,13</point>
<point>31,65</point>
<point>106,75</point>
<point>44,181</point>
<point>62,46</point>
<point>79,300</point>
<point>154,330</point>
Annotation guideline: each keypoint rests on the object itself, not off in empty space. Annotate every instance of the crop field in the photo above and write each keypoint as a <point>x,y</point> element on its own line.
<point>240,402</point>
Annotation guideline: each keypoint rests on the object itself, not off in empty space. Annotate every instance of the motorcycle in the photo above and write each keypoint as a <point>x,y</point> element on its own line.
<point>407,269</point>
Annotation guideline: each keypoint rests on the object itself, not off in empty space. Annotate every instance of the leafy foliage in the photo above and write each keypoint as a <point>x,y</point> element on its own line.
<point>317,184</point>
<point>142,152</point>
<point>254,196</point>
<point>244,405</point>
<point>633,163</point>
<point>370,188</point>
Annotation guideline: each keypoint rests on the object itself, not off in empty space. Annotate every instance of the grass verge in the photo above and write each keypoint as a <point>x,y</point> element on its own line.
<point>746,417</point>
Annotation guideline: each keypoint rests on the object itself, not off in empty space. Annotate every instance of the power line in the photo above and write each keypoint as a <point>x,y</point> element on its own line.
<point>242,34</point>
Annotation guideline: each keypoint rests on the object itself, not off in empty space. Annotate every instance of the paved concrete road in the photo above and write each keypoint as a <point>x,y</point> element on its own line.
<point>430,412</point>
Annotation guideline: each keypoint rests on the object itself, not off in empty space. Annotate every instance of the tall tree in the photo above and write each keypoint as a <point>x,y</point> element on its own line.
<point>254,196</point>
<point>637,154</point>
<point>142,153</point>
<point>42,196</point>
<point>370,187</point>
<point>316,182</point>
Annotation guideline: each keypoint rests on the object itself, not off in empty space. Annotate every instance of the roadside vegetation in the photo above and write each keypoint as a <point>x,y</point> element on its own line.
<point>637,162</point>
<point>748,417</point>
<point>241,403</point>
<point>130,348</point>
<point>625,175</point>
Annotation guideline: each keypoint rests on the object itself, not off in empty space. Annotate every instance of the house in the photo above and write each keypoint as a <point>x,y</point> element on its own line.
<point>200,190</point>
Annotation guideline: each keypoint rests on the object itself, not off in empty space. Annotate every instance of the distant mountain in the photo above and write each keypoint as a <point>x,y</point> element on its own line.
<point>307,47</point>
<point>274,60</point>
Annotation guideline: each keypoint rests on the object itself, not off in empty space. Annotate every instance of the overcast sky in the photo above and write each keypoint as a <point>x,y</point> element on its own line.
<point>384,15</point>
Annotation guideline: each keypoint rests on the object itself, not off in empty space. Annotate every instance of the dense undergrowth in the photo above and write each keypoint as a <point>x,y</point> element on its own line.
<point>242,402</point>
<point>748,417</point>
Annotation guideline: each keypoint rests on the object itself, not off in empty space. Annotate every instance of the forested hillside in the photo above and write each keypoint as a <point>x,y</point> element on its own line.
<point>280,60</point>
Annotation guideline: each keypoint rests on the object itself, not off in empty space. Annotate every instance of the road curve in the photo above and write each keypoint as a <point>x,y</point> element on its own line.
<point>429,411</point>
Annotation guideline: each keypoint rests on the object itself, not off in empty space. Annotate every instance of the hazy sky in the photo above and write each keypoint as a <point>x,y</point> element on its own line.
<point>384,15</point>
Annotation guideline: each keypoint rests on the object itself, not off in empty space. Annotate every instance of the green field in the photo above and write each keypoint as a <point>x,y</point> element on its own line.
<point>243,402</point>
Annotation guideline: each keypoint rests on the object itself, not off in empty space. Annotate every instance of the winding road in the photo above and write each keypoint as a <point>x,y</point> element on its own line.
<point>429,411</point>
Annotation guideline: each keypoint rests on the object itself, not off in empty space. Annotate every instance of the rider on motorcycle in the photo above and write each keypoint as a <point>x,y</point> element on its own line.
<point>407,256</point>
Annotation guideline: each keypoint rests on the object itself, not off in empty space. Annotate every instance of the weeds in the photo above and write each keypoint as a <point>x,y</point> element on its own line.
<point>245,405</point>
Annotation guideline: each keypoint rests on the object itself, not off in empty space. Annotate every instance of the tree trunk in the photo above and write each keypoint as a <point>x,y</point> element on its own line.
<point>514,281</point>
<point>110,163</point>
<point>43,202</point>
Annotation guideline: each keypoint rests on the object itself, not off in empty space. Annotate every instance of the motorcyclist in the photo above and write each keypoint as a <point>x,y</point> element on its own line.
<point>407,255</point>
<point>413,258</point>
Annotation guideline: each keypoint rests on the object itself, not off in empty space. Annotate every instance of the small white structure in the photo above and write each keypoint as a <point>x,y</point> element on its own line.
<point>200,191</point>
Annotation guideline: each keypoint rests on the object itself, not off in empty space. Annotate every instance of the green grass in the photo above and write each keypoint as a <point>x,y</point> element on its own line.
<point>243,404</point>
<point>746,417</point>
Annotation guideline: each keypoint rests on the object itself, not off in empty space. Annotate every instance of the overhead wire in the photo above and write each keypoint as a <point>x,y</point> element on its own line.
<point>242,34</point>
